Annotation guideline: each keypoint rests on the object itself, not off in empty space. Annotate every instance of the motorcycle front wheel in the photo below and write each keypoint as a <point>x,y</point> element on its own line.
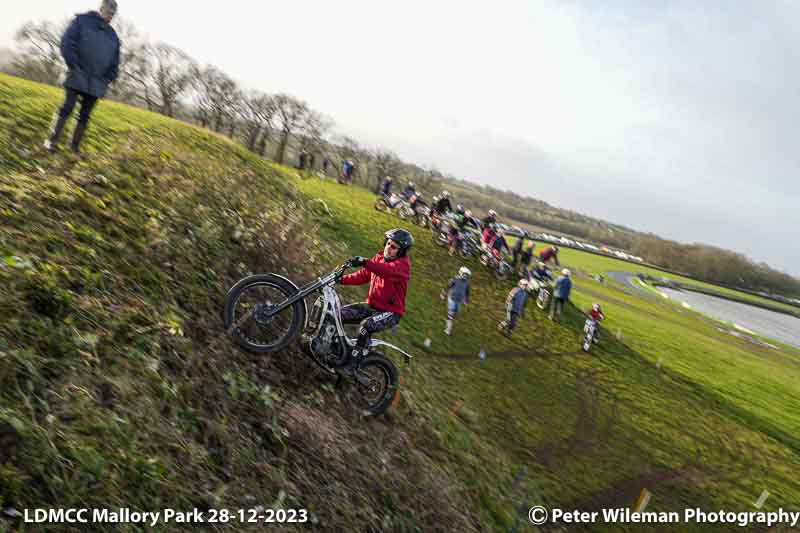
<point>502,273</point>
<point>375,395</point>
<point>247,315</point>
<point>587,343</point>
<point>441,238</point>
<point>543,299</point>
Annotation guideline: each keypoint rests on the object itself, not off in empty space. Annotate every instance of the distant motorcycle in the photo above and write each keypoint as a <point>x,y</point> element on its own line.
<point>393,202</point>
<point>496,262</point>
<point>264,313</point>
<point>545,293</point>
<point>440,229</point>
<point>590,337</point>
<point>422,216</point>
<point>471,247</point>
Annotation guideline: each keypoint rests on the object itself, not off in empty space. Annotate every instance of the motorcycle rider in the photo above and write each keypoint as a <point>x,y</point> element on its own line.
<point>516,251</point>
<point>456,233</point>
<point>549,253</point>
<point>515,304</point>
<point>489,233</point>
<point>525,258</point>
<point>541,273</point>
<point>596,314</point>
<point>471,220</point>
<point>386,188</point>
<point>490,219</point>
<point>388,274</point>
<point>443,205</point>
<point>410,190</point>
<point>457,295</point>
<point>416,201</point>
<point>500,246</point>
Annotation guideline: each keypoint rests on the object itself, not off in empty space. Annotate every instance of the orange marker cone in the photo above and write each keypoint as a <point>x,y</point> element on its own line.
<point>456,407</point>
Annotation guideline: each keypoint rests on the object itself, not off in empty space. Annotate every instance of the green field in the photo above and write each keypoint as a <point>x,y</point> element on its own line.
<point>117,387</point>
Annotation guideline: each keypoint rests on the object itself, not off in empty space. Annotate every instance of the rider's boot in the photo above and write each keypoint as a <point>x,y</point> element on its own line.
<point>350,367</point>
<point>448,328</point>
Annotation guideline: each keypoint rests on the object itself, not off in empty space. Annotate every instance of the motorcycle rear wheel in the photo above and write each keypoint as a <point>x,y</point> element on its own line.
<point>243,320</point>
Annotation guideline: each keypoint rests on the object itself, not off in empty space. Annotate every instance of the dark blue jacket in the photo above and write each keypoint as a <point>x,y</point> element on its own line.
<point>515,301</point>
<point>562,288</point>
<point>90,48</point>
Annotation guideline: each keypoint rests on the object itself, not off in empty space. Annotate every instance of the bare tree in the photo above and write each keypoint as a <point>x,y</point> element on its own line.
<point>169,77</point>
<point>312,133</point>
<point>216,98</point>
<point>131,85</point>
<point>6,59</point>
<point>291,114</point>
<point>385,163</point>
<point>256,113</point>
<point>39,55</point>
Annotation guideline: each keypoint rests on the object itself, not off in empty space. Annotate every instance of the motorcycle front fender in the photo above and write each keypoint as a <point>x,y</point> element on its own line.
<point>375,343</point>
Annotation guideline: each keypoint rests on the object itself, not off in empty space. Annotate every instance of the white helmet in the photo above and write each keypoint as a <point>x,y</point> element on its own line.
<point>566,272</point>
<point>468,213</point>
<point>411,184</point>
<point>596,307</point>
<point>492,213</point>
<point>445,194</point>
<point>464,272</point>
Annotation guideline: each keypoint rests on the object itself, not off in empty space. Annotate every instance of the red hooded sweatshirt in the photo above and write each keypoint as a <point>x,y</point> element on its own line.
<point>388,282</point>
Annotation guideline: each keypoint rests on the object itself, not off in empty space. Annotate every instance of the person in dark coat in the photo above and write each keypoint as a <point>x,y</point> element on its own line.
<point>90,48</point>
<point>515,305</point>
<point>517,250</point>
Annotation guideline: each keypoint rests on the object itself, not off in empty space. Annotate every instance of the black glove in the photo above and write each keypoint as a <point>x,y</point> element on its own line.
<point>358,261</point>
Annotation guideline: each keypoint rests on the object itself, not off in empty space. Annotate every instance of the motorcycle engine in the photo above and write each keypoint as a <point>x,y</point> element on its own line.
<point>326,345</point>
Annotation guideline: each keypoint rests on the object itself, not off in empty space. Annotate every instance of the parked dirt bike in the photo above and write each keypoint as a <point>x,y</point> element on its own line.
<point>472,244</point>
<point>438,221</point>
<point>545,293</point>
<point>422,216</point>
<point>440,229</point>
<point>502,269</point>
<point>395,203</point>
<point>265,312</point>
<point>590,330</point>
<point>465,244</point>
<point>404,210</point>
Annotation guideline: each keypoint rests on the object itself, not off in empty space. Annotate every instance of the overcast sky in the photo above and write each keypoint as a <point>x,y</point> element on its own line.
<point>676,117</point>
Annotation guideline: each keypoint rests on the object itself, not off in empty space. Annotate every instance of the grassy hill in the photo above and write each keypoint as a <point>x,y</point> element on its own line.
<point>119,389</point>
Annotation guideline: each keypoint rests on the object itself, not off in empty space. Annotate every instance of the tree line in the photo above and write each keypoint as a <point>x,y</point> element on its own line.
<point>164,79</point>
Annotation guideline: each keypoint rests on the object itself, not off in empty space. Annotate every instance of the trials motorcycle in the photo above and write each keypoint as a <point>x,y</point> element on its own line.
<point>264,313</point>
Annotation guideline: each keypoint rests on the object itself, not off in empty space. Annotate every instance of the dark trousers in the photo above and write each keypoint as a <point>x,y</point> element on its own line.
<point>557,308</point>
<point>511,320</point>
<point>372,321</point>
<point>87,105</point>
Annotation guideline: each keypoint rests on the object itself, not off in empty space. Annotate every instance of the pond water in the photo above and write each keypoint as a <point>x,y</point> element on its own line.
<point>778,326</point>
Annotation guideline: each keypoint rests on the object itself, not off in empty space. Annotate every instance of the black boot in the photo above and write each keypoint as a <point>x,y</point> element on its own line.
<point>51,143</point>
<point>350,367</point>
<point>77,137</point>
